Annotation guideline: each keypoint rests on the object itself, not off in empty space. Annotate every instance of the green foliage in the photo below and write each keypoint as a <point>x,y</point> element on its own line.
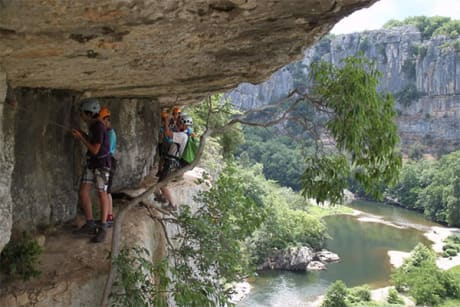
<point>208,252</point>
<point>363,126</point>
<point>287,222</point>
<point>211,241</point>
<point>432,187</point>
<point>336,295</point>
<point>139,283</point>
<point>359,294</point>
<point>343,105</point>
<point>20,258</point>
<point>326,177</point>
<point>424,281</point>
<point>281,156</point>
<point>394,298</point>
<point>429,26</point>
<point>285,227</point>
<point>450,29</point>
<point>452,246</point>
<point>415,151</point>
<point>456,44</point>
<point>214,113</point>
<point>450,252</point>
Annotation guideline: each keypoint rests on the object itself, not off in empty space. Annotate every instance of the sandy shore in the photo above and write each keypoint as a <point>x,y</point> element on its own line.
<point>437,235</point>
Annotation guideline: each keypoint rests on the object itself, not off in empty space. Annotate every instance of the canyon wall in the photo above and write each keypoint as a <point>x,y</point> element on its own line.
<point>423,76</point>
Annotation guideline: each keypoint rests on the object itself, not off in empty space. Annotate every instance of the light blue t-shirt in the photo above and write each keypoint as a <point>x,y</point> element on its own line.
<point>112,141</point>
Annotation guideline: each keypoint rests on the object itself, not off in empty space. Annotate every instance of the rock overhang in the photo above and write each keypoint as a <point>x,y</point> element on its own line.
<point>174,51</point>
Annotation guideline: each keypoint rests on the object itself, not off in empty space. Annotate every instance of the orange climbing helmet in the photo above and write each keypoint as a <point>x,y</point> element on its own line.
<point>104,112</point>
<point>164,115</point>
<point>176,110</point>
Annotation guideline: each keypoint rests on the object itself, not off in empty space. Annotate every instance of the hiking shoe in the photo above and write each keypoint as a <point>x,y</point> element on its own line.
<point>88,229</point>
<point>109,223</point>
<point>100,235</point>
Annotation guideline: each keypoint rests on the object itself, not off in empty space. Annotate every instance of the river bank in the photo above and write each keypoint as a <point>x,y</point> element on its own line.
<point>370,233</point>
<point>437,235</point>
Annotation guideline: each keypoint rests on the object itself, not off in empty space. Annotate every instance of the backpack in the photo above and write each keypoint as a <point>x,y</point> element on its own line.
<point>190,150</point>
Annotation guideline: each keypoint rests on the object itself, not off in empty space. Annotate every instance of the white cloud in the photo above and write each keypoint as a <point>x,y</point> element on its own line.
<point>378,14</point>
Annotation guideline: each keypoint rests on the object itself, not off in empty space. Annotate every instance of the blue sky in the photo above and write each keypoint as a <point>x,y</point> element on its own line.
<point>375,16</point>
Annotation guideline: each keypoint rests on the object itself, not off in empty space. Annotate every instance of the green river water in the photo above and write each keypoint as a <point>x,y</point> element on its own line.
<point>362,247</point>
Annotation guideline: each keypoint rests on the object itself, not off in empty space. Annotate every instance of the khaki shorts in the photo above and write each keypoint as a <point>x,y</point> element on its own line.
<point>98,176</point>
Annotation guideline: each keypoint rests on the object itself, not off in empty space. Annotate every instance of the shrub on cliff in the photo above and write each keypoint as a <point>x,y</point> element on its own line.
<point>20,258</point>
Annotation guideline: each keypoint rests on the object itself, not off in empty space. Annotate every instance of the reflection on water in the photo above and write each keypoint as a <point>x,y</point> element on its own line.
<point>362,247</point>
<point>275,288</point>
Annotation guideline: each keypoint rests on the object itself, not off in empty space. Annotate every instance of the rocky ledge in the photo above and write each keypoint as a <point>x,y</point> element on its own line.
<point>302,258</point>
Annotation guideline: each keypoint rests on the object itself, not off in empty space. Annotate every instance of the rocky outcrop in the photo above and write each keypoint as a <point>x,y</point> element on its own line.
<point>301,258</point>
<point>150,53</point>
<point>175,50</point>
<point>421,74</point>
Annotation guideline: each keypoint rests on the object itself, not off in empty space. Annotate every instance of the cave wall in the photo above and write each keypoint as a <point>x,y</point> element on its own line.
<point>47,161</point>
<point>6,166</point>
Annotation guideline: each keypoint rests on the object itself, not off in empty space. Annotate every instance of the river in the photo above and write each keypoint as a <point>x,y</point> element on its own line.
<point>362,247</point>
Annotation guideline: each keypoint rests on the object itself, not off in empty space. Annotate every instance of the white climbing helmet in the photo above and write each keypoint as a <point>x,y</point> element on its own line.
<point>90,105</point>
<point>186,120</point>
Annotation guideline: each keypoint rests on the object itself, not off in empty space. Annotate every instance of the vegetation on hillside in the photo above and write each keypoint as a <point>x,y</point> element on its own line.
<point>431,187</point>
<point>282,157</point>
<point>429,26</point>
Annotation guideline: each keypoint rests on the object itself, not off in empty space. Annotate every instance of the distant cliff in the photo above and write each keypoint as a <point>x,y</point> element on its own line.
<point>423,76</point>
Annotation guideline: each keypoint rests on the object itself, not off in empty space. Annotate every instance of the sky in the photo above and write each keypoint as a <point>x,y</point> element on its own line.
<point>378,14</point>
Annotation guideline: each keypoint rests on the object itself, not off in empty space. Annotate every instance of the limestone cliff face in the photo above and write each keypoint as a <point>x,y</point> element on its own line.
<point>423,75</point>
<point>138,55</point>
<point>41,162</point>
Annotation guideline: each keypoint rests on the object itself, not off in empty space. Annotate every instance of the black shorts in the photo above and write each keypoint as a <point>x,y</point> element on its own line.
<point>163,149</point>
<point>170,164</point>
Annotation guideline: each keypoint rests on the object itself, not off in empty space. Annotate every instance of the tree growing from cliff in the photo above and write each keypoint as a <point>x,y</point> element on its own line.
<point>359,120</point>
<point>350,127</point>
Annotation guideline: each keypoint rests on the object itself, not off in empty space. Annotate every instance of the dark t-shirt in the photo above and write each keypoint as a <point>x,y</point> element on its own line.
<point>98,135</point>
